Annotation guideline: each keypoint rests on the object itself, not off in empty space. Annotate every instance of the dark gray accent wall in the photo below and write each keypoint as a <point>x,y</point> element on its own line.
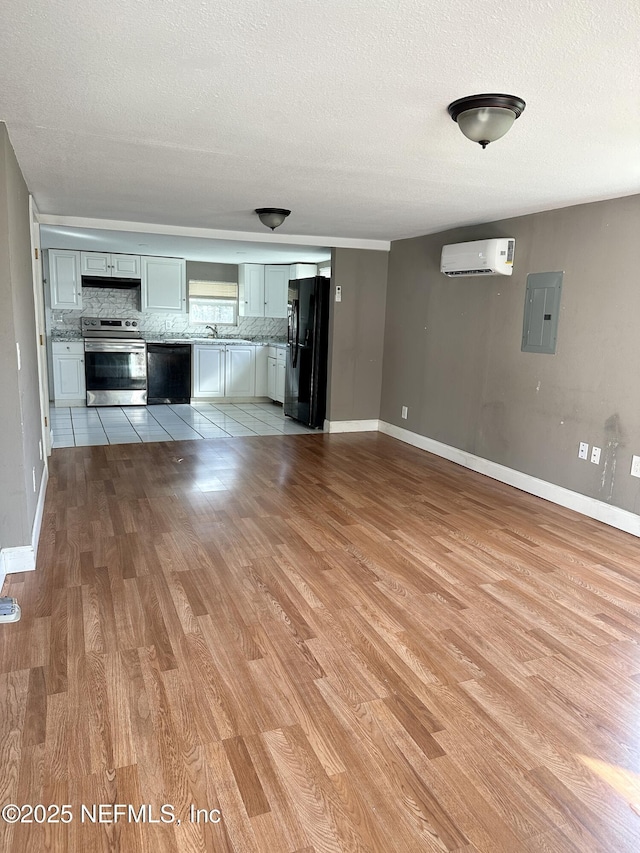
<point>204,271</point>
<point>452,349</point>
<point>356,334</point>
<point>20,410</point>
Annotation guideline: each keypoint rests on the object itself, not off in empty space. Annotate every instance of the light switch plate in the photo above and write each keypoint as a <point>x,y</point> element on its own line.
<point>583,450</point>
<point>595,455</point>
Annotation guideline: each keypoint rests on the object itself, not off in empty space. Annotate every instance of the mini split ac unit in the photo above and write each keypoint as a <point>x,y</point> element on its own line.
<point>480,257</point>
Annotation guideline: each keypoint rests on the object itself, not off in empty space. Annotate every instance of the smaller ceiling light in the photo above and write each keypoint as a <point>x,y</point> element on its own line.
<point>485,118</point>
<point>272,216</point>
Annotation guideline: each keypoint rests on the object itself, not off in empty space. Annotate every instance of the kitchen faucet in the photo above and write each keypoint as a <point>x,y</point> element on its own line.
<point>214,331</point>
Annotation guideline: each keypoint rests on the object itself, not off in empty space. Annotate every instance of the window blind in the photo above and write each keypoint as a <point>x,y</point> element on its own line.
<point>213,289</point>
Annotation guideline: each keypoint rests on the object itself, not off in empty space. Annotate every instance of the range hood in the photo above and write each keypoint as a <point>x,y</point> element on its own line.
<point>107,281</point>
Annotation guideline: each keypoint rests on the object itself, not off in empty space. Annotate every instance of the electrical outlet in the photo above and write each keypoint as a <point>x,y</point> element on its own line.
<point>405,412</point>
<point>635,466</point>
<point>595,455</point>
<point>583,450</point>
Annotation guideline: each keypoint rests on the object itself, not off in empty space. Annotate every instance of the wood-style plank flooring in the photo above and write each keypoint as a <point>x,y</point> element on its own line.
<point>339,642</point>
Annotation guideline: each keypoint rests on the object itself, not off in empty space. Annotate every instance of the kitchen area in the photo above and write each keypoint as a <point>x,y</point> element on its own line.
<point>155,347</point>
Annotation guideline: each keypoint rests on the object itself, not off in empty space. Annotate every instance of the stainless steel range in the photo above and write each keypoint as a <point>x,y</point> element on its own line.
<point>115,362</point>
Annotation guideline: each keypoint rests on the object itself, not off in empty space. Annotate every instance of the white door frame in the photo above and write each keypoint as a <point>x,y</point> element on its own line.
<point>41,337</point>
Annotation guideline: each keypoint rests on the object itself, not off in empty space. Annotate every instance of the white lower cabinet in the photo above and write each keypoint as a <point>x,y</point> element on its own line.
<point>261,371</point>
<point>232,371</point>
<point>68,373</point>
<point>271,377</point>
<point>208,371</point>
<point>281,372</point>
<point>240,371</point>
<point>276,372</point>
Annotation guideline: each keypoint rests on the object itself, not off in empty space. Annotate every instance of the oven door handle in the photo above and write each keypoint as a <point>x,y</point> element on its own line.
<point>114,346</point>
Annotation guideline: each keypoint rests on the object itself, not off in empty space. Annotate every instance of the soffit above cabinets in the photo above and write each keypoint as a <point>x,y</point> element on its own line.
<point>191,248</point>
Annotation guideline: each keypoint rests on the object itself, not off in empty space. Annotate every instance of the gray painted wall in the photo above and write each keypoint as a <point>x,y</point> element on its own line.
<point>202,270</point>
<point>20,411</point>
<point>356,334</point>
<point>452,349</point>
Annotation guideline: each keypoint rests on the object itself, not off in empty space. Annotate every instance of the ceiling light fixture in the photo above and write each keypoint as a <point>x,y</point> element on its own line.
<point>272,216</point>
<point>485,118</point>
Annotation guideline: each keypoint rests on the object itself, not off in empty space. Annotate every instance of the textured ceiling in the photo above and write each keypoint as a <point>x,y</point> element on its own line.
<point>193,113</point>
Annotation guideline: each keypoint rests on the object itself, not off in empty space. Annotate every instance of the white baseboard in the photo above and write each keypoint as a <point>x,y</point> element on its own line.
<point>80,403</point>
<point>351,426</point>
<point>22,558</point>
<point>217,401</point>
<point>622,519</point>
<point>37,521</point>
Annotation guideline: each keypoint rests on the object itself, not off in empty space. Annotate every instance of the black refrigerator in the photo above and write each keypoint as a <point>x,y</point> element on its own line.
<point>305,392</point>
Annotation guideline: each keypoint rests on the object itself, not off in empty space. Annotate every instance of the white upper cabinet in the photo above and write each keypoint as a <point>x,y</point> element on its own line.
<point>125,266</point>
<point>164,285</point>
<point>276,284</point>
<point>110,265</point>
<point>95,263</point>
<point>64,279</point>
<point>263,290</point>
<point>251,290</point>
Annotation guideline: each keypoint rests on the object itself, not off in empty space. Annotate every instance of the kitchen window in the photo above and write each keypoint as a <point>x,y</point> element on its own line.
<point>213,302</point>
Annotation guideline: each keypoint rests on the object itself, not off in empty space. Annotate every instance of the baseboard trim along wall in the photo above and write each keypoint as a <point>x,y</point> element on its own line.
<point>37,521</point>
<point>622,519</point>
<point>351,426</point>
<point>22,558</point>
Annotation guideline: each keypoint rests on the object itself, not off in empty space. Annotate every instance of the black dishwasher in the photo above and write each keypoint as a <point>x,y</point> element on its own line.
<point>168,373</point>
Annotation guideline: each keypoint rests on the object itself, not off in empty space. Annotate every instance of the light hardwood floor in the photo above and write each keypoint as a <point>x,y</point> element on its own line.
<point>340,642</point>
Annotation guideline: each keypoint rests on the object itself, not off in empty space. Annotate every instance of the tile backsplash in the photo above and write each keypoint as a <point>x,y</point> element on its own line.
<point>115,302</point>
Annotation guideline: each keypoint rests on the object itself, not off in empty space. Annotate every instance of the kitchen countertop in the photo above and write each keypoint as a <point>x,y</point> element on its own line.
<point>170,339</point>
<point>69,337</point>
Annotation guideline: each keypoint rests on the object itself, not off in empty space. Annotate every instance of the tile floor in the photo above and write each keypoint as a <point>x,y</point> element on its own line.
<point>77,427</point>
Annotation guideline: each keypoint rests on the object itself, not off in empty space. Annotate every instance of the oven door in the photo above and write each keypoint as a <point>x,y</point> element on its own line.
<point>115,372</point>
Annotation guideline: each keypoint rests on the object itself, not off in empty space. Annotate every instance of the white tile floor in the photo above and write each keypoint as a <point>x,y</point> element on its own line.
<point>77,427</point>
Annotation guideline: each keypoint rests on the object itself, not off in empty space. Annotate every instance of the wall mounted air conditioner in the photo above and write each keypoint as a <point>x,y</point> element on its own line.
<point>480,257</point>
